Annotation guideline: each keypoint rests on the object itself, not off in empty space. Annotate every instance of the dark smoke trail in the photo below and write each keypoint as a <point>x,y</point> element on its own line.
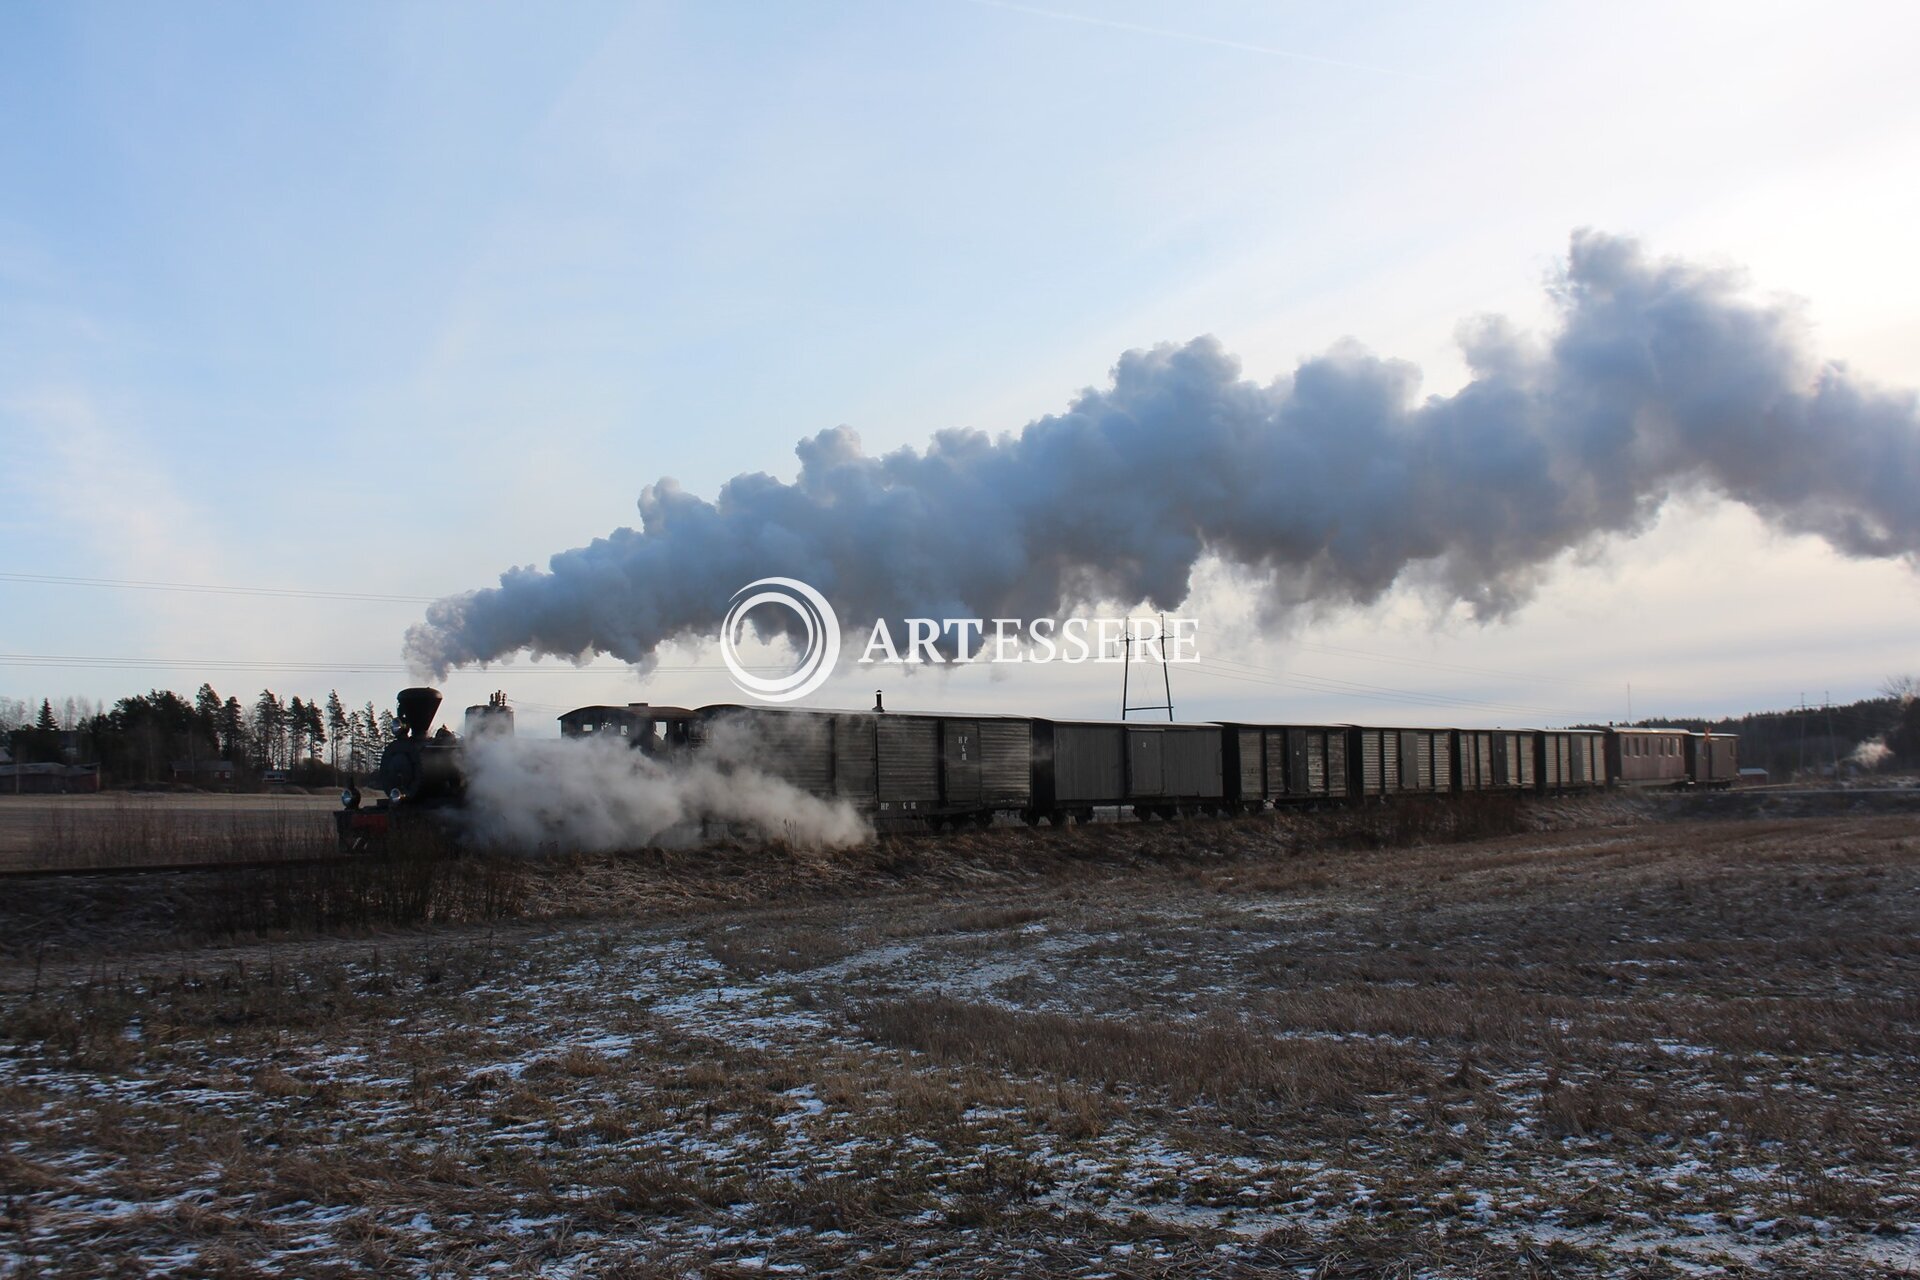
<point>1326,487</point>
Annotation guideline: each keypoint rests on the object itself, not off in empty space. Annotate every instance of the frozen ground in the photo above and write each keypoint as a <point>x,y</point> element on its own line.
<point>1644,1049</point>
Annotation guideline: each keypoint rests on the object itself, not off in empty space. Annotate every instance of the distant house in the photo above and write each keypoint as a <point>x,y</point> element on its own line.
<point>201,770</point>
<point>1753,777</point>
<point>48,779</point>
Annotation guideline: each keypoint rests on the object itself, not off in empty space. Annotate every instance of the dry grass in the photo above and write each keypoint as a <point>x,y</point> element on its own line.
<point>1203,1049</point>
<point>1242,1074</point>
<point>144,830</point>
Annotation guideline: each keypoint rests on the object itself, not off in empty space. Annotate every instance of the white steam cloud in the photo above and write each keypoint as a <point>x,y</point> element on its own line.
<point>599,795</point>
<point>1327,487</point>
<point>1870,754</point>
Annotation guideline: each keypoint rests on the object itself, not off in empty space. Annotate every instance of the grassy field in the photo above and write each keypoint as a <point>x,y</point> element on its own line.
<point>134,829</point>
<point>1600,1046</point>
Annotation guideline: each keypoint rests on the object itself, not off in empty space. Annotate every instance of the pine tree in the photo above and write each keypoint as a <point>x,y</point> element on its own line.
<point>233,730</point>
<point>269,728</point>
<point>316,728</point>
<point>46,733</point>
<point>336,726</point>
<point>296,731</point>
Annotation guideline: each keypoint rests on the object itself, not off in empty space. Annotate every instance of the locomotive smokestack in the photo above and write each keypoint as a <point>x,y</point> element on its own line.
<point>416,709</point>
<point>878,705</point>
<point>1331,485</point>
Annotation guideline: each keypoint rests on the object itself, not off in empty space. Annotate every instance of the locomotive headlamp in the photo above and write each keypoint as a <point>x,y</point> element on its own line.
<point>396,795</point>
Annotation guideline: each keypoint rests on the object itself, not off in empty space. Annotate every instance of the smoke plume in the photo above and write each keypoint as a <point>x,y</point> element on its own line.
<point>599,795</point>
<point>1870,754</point>
<point>1327,487</point>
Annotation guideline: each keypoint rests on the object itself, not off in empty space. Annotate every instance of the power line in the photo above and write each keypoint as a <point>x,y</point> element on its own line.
<point>1441,702</point>
<point>1228,669</point>
<point>100,662</point>
<point>1440,666</point>
<point>209,588</point>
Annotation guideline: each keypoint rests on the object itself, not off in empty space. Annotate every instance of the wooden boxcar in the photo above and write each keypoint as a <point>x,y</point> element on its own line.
<point>1713,759</point>
<point>1494,759</point>
<point>1264,764</point>
<point>1081,765</point>
<point>1387,762</point>
<point>905,770</point>
<point>1647,757</point>
<point>1569,759</point>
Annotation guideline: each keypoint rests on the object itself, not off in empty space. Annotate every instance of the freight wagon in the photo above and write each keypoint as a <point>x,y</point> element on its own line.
<point>1158,770</point>
<point>906,770</point>
<point>1282,764</point>
<point>1713,759</point>
<point>1569,759</point>
<point>1391,762</point>
<point>1494,760</point>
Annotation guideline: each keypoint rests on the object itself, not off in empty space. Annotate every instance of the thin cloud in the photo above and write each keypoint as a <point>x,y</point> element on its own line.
<point>1193,37</point>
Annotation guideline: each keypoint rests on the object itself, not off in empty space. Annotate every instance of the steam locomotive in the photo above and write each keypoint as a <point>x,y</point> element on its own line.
<point>928,772</point>
<point>419,771</point>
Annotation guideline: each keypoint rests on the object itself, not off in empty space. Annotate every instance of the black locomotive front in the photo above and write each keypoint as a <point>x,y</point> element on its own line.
<point>419,772</point>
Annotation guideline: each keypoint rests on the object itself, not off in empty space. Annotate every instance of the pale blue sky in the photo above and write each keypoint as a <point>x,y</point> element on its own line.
<point>387,298</point>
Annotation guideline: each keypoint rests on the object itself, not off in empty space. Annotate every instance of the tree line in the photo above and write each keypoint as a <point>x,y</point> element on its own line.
<point>142,738</point>
<point>1836,739</point>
